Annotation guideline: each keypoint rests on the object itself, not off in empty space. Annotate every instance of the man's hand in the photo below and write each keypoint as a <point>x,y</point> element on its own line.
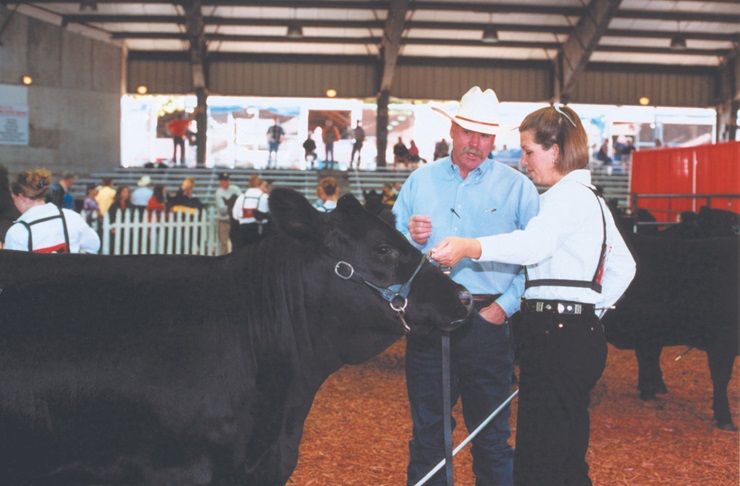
<point>420,228</point>
<point>493,314</point>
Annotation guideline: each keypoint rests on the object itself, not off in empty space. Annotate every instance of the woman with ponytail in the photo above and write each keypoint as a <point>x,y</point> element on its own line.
<point>43,227</point>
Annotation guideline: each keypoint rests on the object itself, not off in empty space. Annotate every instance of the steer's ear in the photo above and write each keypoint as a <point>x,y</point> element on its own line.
<point>348,202</point>
<point>294,214</point>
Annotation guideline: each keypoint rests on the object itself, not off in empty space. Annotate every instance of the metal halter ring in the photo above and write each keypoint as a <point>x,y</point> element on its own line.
<point>341,264</point>
<point>403,307</point>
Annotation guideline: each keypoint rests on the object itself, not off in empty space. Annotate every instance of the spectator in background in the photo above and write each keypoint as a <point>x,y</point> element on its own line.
<point>400,153</point>
<point>359,136</point>
<point>413,156</point>
<point>8,212</point>
<point>329,136</point>
<point>158,202</point>
<point>603,153</point>
<point>226,195</point>
<point>121,203</point>
<point>309,149</point>
<point>184,201</point>
<point>60,194</point>
<point>251,212</point>
<point>105,196</point>
<point>320,198</point>
<point>143,192</point>
<point>328,192</point>
<point>43,227</point>
<point>617,150</point>
<point>90,209</point>
<point>627,151</point>
<point>178,129</point>
<point>275,136</point>
<point>389,196</point>
<point>441,149</point>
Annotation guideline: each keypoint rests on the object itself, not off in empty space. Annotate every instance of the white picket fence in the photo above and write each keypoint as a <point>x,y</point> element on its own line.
<point>137,233</point>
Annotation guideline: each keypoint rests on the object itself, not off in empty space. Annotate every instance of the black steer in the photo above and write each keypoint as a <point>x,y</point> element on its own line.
<point>167,370</point>
<point>685,293</point>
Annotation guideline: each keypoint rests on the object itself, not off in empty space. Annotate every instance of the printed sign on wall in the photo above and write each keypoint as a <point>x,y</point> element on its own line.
<point>13,115</point>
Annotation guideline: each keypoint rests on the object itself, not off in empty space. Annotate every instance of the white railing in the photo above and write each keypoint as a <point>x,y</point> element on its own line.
<point>139,233</point>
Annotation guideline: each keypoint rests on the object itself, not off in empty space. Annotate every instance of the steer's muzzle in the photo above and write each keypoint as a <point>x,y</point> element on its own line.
<point>466,299</point>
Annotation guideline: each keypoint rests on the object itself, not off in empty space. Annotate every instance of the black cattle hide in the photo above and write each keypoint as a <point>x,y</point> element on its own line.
<point>186,370</point>
<point>685,292</point>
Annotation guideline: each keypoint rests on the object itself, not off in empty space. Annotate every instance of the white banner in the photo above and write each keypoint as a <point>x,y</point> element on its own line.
<point>13,115</point>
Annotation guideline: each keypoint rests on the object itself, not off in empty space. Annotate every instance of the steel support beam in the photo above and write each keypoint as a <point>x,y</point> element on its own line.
<point>196,37</point>
<point>576,52</point>
<point>389,50</point>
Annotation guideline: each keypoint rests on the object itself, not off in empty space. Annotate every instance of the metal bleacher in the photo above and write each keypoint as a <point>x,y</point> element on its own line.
<point>613,181</point>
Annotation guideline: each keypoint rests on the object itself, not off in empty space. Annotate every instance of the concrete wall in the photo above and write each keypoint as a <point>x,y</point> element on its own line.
<point>74,101</point>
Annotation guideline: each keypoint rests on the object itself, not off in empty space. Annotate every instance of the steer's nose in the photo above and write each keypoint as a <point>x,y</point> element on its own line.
<point>467,300</point>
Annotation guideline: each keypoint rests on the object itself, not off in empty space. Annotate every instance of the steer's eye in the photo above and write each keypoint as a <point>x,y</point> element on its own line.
<point>383,250</point>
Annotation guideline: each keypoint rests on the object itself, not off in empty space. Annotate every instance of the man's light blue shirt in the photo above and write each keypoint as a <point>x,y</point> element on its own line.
<point>493,199</point>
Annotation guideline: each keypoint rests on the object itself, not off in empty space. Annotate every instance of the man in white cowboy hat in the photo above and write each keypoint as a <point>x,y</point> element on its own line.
<point>143,192</point>
<point>467,194</point>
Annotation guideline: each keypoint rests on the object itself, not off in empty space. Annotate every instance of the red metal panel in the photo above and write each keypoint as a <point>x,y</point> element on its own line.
<point>718,172</point>
<point>704,169</point>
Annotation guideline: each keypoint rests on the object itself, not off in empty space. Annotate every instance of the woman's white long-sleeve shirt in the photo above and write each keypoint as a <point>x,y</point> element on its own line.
<point>564,242</point>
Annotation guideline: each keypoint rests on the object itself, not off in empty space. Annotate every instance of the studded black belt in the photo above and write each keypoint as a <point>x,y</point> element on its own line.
<point>563,307</point>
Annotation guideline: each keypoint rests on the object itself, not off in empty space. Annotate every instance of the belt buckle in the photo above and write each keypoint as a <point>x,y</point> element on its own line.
<point>570,309</point>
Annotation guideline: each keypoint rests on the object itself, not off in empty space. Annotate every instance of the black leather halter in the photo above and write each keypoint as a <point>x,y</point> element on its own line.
<point>396,295</point>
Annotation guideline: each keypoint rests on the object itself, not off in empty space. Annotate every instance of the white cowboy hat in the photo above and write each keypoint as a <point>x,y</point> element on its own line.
<point>478,112</point>
<point>144,181</point>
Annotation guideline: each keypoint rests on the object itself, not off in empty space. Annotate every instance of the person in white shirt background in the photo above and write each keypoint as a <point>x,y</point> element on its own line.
<point>577,265</point>
<point>43,227</point>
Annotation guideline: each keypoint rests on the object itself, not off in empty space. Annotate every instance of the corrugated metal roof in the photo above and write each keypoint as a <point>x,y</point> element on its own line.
<point>636,32</point>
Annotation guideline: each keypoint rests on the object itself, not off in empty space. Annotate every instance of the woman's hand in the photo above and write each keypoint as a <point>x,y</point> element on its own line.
<point>452,250</point>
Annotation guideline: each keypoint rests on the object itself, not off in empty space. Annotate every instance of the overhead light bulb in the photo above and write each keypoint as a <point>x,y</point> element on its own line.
<point>295,31</point>
<point>678,43</point>
<point>490,35</point>
<point>88,6</point>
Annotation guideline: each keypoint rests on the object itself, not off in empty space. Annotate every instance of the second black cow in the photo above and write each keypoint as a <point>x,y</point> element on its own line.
<point>685,292</point>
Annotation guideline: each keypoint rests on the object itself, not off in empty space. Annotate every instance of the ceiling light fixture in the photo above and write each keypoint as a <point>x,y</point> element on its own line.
<point>295,31</point>
<point>678,42</point>
<point>490,34</point>
<point>26,80</point>
<point>88,6</point>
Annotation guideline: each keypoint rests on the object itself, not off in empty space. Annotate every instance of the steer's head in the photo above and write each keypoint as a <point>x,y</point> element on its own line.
<point>359,265</point>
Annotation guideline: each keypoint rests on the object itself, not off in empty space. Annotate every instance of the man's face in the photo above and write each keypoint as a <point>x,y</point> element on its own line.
<point>224,183</point>
<point>469,148</point>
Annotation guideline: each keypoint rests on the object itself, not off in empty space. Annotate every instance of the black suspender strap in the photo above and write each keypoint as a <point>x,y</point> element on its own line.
<point>66,248</point>
<point>595,283</point>
<point>66,230</point>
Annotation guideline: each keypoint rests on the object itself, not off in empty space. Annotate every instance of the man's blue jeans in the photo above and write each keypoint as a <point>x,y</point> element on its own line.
<point>481,362</point>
